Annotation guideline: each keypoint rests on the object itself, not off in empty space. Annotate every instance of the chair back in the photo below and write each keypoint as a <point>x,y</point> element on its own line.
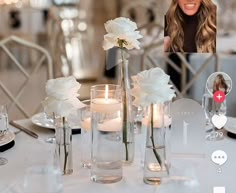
<point>23,75</point>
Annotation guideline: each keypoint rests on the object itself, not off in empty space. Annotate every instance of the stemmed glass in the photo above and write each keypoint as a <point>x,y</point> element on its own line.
<point>212,108</point>
<point>3,128</point>
<point>207,106</point>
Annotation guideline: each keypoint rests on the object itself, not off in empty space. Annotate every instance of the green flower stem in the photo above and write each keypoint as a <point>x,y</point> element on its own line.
<point>152,136</point>
<point>64,140</point>
<point>125,103</point>
<point>125,137</point>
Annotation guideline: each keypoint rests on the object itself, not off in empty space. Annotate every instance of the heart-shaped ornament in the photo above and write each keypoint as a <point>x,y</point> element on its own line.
<point>219,121</point>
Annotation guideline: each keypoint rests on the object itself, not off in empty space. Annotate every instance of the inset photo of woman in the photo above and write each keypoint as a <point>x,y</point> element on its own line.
<point>219,81</point>
<point>190,27</point>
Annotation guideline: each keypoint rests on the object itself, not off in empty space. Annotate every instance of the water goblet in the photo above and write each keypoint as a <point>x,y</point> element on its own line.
<point>212,108</point>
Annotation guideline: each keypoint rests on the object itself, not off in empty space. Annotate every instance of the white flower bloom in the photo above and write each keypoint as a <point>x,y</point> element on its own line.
<point>62,88</point>
<point>121,29</point>
<point>62,96</point>
<point>151,86</point>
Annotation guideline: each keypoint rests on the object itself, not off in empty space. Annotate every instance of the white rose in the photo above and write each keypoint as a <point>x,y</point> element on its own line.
<point>62,88</point>
<point>121,29</point>
<point>151,76</point>
<point>151,86</point>
<point>62,96</point>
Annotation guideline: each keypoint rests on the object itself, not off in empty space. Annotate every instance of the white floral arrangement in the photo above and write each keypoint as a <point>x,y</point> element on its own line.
<point>62,96</point>
<point>121,32</point>
<point>151,86</point>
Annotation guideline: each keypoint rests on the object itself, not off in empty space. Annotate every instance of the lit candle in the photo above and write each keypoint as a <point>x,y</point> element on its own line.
<point>111,125</point>
<point>106,104</point>
<point>86,124</point>
<point>158,119</point>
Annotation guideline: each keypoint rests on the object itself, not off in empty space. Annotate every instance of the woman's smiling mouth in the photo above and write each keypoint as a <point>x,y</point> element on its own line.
<point>190,5</point>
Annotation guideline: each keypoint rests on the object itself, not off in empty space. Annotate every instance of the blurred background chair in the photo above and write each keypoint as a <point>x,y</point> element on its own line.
<point>71,43</point>
<point>20,79</point>
<point>72,31</point>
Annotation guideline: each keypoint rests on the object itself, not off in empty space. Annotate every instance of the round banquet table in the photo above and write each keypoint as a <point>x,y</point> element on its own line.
<point>201,172</point>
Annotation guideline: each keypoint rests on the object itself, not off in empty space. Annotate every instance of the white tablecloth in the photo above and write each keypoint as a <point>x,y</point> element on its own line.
<point>202,173</point>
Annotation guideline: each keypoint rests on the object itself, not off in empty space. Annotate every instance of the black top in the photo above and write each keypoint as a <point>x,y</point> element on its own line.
<point>189,25</point>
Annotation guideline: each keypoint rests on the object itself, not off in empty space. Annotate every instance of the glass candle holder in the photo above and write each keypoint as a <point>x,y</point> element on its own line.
<point>86,134</point>
<point>106,109</point>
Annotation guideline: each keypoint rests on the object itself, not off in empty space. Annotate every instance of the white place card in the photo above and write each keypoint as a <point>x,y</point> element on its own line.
<point>187,128</point>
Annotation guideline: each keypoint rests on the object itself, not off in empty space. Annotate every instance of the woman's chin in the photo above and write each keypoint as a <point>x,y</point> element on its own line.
<point>190,12</point>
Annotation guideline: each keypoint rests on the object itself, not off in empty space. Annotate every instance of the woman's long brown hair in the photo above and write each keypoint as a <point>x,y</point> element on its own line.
<point>206,33</point>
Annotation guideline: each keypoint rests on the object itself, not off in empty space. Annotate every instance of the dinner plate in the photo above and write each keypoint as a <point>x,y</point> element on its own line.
<point>41,120</point>
<point>230,125</point>
<point>7,138</point>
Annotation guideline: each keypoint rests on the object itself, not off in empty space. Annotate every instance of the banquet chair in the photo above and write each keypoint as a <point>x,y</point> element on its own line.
<point>184,70</point>
<point>25,78</point>
<point>141,12</point>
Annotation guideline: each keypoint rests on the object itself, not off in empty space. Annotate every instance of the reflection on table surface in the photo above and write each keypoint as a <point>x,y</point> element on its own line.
<point>187,173</point>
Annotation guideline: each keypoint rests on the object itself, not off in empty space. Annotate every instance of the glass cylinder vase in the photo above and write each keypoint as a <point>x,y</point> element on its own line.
<point>156,164</point>
<point>128,121</point>
<point>106,109</point>
<point>63,152</point>
<point>86,134</point>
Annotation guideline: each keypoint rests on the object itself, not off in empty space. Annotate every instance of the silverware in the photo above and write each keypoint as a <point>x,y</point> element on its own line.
<point>27,131</point>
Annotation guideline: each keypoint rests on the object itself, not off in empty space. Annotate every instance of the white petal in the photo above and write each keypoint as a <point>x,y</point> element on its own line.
<point>152,86</point>
<point>126,23</point>
<point>107,45</point>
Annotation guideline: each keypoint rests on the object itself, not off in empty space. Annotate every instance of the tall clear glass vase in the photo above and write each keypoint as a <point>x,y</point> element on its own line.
<point>156,164</point>
<point>63,152</point>
<point>106,121</point>
<point>128,122</point>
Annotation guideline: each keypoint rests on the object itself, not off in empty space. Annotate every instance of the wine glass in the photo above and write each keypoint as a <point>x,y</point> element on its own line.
<point>3,128</point>
<point>207,106</point>
<point>212,108</point>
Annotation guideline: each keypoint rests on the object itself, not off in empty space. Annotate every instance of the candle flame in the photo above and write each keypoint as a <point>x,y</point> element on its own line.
<point>158,115</point>
<point>155,111</point>
<point>106,92</point>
